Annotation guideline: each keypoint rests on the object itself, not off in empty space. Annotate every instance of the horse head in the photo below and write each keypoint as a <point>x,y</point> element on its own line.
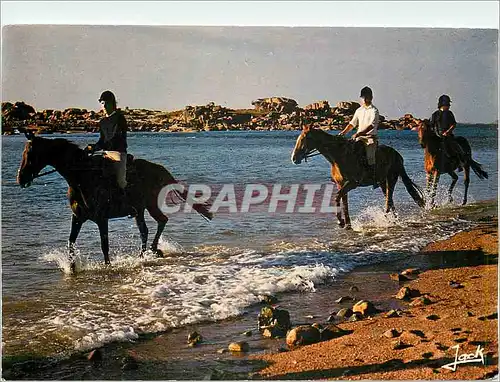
<point>33,161</point>
<point>424,128</point>
<point>303,147</point>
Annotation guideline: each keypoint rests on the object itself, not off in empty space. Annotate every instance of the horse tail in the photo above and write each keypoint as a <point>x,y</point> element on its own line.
<point>478,170</point>
<point>414,191</point>
<point>166,178</point>
<point>476,167</point>
<point>202,208</point>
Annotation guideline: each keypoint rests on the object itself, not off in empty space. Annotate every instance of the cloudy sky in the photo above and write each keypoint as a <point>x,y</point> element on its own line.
<point>171,67</point>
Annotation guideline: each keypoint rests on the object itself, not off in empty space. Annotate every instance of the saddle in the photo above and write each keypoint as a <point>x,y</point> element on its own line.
<point>108,196</point>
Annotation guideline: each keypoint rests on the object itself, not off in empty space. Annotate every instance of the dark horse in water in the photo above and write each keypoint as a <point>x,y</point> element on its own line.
<point>437,162</point>
<point>348,171</point>
<point>93,193</point>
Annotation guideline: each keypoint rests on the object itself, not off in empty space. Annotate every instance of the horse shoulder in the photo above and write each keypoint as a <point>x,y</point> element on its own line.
<point>337,174</point>
<point>429,161</point>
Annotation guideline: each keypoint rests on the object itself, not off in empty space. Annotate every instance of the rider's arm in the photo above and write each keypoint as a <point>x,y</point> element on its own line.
<point>365,131</point>
<point>452,123</point>
<point>354,123</point>
<point>348,128</point>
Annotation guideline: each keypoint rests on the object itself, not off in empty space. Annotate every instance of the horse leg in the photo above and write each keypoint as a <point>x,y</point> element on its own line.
<point>103,231</point>
<point>466,183</point>
<point>76,226</point>
<point>143,229</point>
<point>342,194</point>
<point>428,184</point>
<point>435,182</point>
<point>339,210</point>
<point>162,220</point>
<point>345,207</point>
<point>389,203</point>
<point>454,178</point>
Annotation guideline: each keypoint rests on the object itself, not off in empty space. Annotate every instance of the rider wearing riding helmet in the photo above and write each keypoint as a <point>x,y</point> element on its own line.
<point>113,137</point>
<point>443,123</point>
<point>366,119</point>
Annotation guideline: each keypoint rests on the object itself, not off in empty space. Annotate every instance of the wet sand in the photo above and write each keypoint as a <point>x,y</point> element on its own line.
<point>465,315</point>
<point>468,258</point>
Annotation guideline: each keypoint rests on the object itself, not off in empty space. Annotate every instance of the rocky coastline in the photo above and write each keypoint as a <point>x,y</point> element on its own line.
<point>275,113</point>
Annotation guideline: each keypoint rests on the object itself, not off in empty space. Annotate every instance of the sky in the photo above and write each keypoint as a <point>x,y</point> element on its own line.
<point>169,67</point>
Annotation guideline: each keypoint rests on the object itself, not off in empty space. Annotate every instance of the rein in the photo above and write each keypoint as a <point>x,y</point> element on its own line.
<point>45,173</point>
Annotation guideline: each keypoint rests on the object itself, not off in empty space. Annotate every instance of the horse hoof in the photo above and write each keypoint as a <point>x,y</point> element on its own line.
<point>157,252</point>
<point>341,224</point>
<point>348,227</point>
<point>72,268</point>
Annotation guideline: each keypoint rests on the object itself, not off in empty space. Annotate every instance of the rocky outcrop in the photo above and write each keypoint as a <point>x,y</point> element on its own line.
<point>275,113</point>
<point>18,111</point>
<point>275,104</point>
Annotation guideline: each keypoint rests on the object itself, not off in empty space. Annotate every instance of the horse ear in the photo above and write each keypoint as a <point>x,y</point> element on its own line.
<point>29,134</point>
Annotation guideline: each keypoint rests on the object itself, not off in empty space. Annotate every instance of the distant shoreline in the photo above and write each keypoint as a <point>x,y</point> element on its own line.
<point>268,114</point>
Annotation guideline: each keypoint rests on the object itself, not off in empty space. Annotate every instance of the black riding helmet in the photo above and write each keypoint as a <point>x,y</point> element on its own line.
<point>366,92</point>
<point>107,96</point>
<point>444,100</point>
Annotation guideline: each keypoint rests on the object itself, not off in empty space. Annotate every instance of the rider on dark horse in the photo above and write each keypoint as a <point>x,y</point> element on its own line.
<point>366,119</point>
<point>443,123</point>
<point>113,140</point>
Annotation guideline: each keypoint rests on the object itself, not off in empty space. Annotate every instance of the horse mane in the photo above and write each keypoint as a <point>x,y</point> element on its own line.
<point>329,136</point>
<point>61,145</point>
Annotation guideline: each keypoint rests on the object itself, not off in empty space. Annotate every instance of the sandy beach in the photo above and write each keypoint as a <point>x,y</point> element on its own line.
<point>463,311</point>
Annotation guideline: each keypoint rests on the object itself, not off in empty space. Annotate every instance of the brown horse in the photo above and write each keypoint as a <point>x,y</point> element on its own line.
<point>436,162</point>
<point>93,193</point>
<point>348,172</point>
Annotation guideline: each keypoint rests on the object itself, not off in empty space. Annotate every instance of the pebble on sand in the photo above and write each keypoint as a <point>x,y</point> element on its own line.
<point>238,347</point>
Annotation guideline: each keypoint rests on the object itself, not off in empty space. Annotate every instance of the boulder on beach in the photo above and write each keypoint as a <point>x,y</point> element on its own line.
<point>331,331</point>
<point>421,301</point>
<point>344,313</point>
<point>303,335</point>
<point>398,277</point>
<point>194,338</point>
<point>356,316</point>
<point>239,347</point>
<point>344,299</point>
<point>364,307</point>
<point>410,272</point>
<point>407,293</point>
<point>277,321</point>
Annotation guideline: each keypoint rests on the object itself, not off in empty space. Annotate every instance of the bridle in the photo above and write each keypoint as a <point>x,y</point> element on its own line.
<point>309,153</point>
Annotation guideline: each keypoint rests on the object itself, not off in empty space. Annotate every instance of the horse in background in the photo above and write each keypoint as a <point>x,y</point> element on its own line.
<point>437,162</point>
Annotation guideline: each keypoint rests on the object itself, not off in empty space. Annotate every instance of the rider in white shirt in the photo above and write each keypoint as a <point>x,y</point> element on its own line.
<point>366,120</point>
